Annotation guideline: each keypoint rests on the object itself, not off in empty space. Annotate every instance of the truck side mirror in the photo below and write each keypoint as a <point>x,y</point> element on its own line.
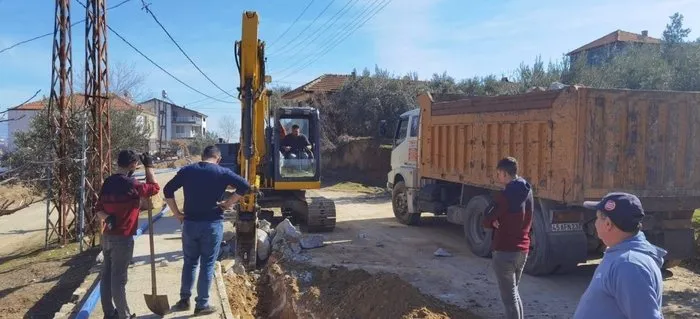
<point>382,128</point>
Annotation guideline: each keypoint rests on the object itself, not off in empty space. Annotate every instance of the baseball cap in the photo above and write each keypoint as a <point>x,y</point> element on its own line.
<point>625,210</point>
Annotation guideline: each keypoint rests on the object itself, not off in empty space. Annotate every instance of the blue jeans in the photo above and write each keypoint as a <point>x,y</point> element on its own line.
<point>200,243</point>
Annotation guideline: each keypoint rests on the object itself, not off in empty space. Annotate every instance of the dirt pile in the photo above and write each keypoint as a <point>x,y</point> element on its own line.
<point>338,292</point>
<point>297,290</point>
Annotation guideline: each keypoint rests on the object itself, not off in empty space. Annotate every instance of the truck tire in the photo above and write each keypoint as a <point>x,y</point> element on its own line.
<point>478,238</point>
<point>539,259</point>
<point>399,203</point>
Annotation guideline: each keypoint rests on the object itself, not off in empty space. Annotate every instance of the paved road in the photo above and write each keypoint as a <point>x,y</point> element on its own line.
<point>168,247</point>
<point>25,229</point>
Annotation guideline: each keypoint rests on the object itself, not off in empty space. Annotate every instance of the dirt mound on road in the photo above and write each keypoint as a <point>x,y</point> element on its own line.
<point>338,292</point>
<point>297,290</point>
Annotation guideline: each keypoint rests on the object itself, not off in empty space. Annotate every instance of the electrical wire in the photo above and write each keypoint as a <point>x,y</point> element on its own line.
<point>146,7</point>
<point>291,25</point>
<point>323,28</point>
<point>51,33</point>
<point>310,24</point>
<point>164,70</point>
<point>332,45</point>
<point>329,40</point>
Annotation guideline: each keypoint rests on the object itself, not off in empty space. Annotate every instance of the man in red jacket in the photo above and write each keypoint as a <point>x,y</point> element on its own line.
<point>118,206</point>
<point>511,219</point>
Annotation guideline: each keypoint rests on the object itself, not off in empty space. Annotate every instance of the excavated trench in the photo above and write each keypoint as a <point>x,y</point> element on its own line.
<point>291,289</point>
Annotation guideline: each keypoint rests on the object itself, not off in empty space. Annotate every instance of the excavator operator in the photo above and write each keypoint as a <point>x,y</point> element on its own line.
<point>296,145</point>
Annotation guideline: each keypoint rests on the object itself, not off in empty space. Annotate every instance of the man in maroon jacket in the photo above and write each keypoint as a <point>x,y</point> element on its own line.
<point>511,219</point>
<point>118,206</point>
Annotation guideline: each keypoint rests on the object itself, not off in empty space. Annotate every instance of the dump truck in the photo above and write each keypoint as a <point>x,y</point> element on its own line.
<point>572,144</point>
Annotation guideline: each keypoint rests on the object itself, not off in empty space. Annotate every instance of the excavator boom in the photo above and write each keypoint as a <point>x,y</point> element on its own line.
<point>250,55</point>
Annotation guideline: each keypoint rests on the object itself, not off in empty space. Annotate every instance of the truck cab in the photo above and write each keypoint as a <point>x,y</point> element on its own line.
<point>403,180</point>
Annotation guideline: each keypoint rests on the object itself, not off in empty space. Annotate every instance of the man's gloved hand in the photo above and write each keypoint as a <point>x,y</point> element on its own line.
<point>146,160</point>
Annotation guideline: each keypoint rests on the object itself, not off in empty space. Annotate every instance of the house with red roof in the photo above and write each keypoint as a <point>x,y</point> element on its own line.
<point>611,44</point>
<point>324,84</point>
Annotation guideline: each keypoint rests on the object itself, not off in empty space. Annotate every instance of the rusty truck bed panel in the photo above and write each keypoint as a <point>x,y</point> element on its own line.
<point>572,144</point>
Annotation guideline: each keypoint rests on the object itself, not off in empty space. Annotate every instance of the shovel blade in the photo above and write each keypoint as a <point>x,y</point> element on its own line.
<point>158,304</point>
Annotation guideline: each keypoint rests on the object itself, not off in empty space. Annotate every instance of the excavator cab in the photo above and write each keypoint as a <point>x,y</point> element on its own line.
<point>296,147</point>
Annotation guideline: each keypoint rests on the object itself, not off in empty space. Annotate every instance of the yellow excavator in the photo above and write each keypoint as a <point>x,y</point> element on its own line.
<point>279,177</point>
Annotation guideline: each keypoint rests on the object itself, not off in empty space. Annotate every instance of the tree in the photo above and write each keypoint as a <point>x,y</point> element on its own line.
<point>129,130</point>
<point>197,145</point>
<point>675,33</point>
<point>124,80</point>
<point>276,100</point>
<point>228,128</point>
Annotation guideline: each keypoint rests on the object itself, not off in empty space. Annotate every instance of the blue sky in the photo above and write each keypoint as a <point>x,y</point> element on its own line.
<point>463,38</point>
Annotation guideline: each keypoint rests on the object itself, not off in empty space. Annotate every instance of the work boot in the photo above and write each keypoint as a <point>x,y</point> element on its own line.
<point>182,305</point>
<point>207,310</point>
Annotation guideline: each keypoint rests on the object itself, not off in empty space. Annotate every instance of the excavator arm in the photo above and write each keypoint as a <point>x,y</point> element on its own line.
<point>250,60</point>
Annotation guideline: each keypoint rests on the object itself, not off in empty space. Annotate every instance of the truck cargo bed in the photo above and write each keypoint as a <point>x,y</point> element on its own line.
<point>573,144</point>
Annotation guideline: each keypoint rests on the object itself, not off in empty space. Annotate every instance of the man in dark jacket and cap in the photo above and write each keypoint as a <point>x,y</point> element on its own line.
<point>510,217</point>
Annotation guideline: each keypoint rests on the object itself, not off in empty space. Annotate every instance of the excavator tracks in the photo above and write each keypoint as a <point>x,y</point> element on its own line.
<point>316,213</point>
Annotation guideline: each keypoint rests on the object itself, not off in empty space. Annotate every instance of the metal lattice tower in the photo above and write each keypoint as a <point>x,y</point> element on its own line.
<point>97,104</point>
<point>60,102</point>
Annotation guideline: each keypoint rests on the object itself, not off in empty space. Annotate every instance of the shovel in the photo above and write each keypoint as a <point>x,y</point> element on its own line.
<point>158,304</point>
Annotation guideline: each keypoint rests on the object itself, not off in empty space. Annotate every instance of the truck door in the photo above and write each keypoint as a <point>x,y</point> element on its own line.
<point>405,153</point>
<point>399,156</point>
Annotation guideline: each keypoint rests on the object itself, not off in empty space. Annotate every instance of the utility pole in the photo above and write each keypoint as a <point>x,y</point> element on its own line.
<point>59,126</point>
<point>83,169</point>
<point>97,103</point>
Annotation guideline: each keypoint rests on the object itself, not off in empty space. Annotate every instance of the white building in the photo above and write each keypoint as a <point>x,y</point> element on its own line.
<point>175,122</point>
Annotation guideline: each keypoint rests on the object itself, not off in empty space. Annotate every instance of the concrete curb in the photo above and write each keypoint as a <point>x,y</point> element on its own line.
<point>223,294</point>
<point>87,303</point>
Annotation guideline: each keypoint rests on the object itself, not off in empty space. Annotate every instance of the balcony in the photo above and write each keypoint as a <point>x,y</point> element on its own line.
<point>188,120</point>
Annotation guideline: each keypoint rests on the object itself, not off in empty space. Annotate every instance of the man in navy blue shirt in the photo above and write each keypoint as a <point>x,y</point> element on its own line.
<point>203,184</point>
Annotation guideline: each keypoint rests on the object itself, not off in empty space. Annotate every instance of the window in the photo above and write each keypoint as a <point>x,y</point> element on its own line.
<point>415,125</point>
<point>296,160</point>
<point>401,131</point>
<point>179,129</point>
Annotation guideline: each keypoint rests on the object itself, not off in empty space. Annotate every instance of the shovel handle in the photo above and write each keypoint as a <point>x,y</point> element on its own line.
<point>153,258</point>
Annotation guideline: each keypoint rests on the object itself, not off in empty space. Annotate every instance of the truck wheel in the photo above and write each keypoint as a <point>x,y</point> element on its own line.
<point>399,203</point>
<point>539,260</point>
<point>478,238</point>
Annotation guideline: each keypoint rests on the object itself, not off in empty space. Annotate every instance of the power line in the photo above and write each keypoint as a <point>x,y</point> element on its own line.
<point>162,69</point>
<point>51,33</point>
<point>329,40</point>
<point>339,14</point>
<point>336,43</point>
<point>156,64</point>
<point>146,7</point>
<point>308,26</point>
<point>291,25</point>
